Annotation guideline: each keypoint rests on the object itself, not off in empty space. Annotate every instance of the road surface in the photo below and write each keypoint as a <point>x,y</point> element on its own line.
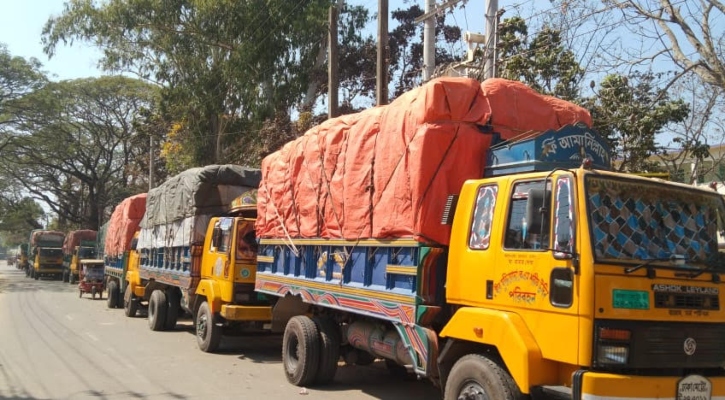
<point>54,345</point>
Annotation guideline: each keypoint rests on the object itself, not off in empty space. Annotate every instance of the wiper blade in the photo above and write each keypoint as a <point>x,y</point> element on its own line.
<point>648,262</point>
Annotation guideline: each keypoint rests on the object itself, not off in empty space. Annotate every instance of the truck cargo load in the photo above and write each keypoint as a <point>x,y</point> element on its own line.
<point>74,239</point>
<point>386,172</point>
<point>41,238</point>
<point>177,211</point>
<point>123,224</point>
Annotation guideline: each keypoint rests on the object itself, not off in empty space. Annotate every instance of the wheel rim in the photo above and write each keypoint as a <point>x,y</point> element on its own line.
<point>293,353</point>
<point>201,326</point>
<point>472,390</point>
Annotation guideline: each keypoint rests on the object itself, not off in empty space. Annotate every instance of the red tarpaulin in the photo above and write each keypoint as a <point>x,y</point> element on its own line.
<point>123,224</point>
<point>74,238</point>
<point>386,172</point>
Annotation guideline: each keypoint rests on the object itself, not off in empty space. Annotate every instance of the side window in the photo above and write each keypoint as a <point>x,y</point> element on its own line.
<point>480,235</point>
<point>564,215</point>
<point>527,226</point>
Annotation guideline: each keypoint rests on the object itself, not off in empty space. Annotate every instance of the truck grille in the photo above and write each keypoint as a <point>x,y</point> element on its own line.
<point>687,301</point>
<point>657,345</point>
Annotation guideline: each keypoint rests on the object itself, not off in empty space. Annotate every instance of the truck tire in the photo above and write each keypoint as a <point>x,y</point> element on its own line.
<point>113,294</point>
<point>208,334</point>
<point>64,277</point>
<point>329,349</point>
<point>36,275</point>
<point>475,376</point>
<point>130,303</point>
<point>72,278</point>
<point>172,309</point>
<point>157,310</point>
<point>301,350</point>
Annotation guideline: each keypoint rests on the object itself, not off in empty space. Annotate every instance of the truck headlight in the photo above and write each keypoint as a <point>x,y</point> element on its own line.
<point>612,355</point>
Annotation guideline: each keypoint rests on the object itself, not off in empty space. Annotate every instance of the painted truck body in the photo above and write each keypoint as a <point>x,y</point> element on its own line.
<point>78,245</point>
<point>557,279</point>
<point>46,253</point>
<point>22,262</point>
<point>193,254</point>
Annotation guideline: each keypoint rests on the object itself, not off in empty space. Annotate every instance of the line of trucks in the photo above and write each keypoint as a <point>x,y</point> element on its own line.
<point>469,233</point>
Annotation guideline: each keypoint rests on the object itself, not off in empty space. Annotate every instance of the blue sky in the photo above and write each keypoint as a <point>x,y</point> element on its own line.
<point>21,24</point>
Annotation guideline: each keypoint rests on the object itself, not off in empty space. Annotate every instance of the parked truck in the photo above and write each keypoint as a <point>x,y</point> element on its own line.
<point>46,253</point>
<point>78,245</point>
<point>119,251</point>
<point>473,234</point>
<point>198,253</point>
<point>23,258</point>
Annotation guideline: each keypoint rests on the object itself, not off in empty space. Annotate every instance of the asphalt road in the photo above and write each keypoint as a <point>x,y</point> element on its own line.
<point>54,345</point>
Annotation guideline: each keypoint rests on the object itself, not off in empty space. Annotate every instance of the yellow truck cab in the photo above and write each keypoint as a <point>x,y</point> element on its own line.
<point>584,284</point>
<point>46,254</point>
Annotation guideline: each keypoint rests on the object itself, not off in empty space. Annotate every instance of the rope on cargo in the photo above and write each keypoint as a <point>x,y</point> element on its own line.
<point>291,244</point>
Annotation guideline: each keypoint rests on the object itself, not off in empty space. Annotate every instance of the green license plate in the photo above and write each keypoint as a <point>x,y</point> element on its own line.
<point>630,299</point>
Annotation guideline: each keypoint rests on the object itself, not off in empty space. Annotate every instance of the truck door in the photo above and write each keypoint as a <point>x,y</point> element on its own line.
<point>216,261</point>
<point>536,268</point>
<point>245,251</point>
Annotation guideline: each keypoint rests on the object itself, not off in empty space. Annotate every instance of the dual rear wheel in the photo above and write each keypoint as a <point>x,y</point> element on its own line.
<point>310,350</point>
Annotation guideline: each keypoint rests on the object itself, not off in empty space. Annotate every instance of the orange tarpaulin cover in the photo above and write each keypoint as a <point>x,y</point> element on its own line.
<point>386,172</point>
<point>123,224</point>
<point>74,238</point>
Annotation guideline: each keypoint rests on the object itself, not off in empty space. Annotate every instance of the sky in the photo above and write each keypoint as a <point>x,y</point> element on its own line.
<point>22,21</point>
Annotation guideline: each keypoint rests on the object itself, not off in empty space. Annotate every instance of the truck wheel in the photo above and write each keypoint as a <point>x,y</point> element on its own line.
<point>477,377</point>
<point>208,334</point>
<point>113,292</point>
<point>93,292</point>
<point>157,310</point>
<point>172,309</point>
<point>72,279</point>
<point>64,277</point>
<point>36,275</point>
<point>329,349</point>
<point>301,350</point>
<point>130,303</point>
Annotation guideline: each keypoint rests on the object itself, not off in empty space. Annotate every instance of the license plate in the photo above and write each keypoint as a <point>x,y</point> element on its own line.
<point>694,387</point>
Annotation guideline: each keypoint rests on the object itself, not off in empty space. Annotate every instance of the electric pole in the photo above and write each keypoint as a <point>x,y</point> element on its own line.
<point>489,70</point>
<point>382,67</point>
<point>332,70</point>
<point>429,40</point>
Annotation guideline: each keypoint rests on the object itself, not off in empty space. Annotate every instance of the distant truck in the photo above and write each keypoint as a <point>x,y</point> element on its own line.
<point>474,234</point>
<point>197,253</point>
<point>46,253</point>
<point>78,245</point>
<point>22,262</point>
<point>119,252</point>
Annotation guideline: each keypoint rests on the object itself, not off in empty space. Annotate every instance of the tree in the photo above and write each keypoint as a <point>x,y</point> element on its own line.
<point>225,65</point>
<point>540,60</point>
<point>19,218</point>
<point>687,33</point>
<point>630,112</point>
<point>690,143</point>
<point>73,145</point>
<point>406,47</point>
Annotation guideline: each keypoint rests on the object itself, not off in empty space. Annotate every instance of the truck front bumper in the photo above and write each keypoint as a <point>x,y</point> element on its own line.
<point>590,385</point>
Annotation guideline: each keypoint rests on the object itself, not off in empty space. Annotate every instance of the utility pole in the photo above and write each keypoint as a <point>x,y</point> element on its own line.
<point>382,67</point>
<point>491,19</point>
<point>429,41</point>
<point>151,162</point>
<point>332,70</point>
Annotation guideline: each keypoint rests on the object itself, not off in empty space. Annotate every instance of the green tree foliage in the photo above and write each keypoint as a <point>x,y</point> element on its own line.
<point>18,219</point>
<point>225,65</point>
<point>74,143</point>
<point>540,60</point>
<point>631,112</point>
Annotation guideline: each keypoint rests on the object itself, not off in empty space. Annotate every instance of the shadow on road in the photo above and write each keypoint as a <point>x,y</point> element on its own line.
<point>13,280</point>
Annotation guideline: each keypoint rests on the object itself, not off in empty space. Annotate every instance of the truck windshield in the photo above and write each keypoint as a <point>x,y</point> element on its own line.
<point>45,252</point>
<point>87,252</point>
<point>632,221</point>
